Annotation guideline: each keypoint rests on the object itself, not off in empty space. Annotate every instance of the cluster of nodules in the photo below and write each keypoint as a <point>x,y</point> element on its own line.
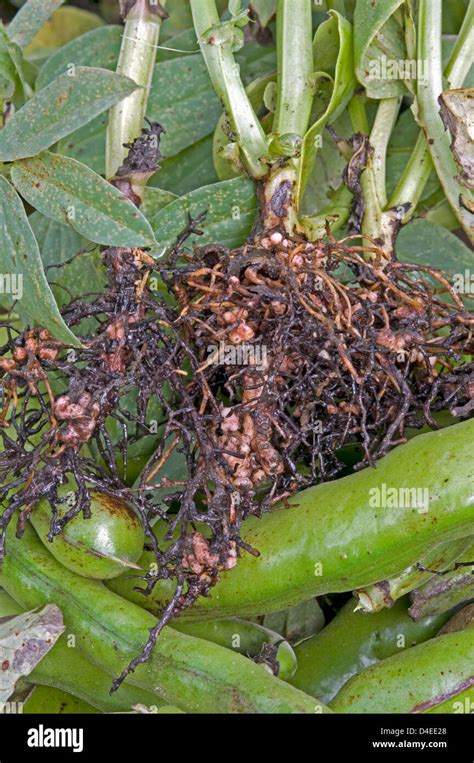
<point>272,358</point>
<point>77,413</point>
<point>339,348</point>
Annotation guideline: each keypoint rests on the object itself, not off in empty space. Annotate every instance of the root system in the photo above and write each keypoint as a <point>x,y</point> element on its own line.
<point>263,362</point>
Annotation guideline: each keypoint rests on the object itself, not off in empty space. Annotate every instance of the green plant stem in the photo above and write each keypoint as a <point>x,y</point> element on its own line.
<point>225,77</point>
<point>414,179</point>
<point>460,60</point>
<point>385,119</point>
<point>136,60</point>
<point>295,65</point>
<point>411,185</point>
<point>358,114</point>
<point>373,178</point>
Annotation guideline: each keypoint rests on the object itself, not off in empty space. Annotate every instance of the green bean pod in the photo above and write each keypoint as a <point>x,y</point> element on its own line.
<point>444,592</point>
<point>330,538</point>
<point>414,681</point>
<point>386,592</point>
<point>186,672</point>
<point>49,701</point>
<point>8,606</point>
<point>462,703</point>
<point>103,546</point>
<point>352,641</point>
<point>246,638</point>
<point>65,669</point>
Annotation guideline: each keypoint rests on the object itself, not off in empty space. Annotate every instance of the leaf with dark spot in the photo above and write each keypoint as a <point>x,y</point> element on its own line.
<point>20,257</point>
<point>70,193</point>
<point>67,103</point>
<point>456,108</point>
<point>24,641</point>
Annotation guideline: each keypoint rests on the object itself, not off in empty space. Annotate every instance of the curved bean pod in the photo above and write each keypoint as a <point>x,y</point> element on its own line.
<point>246,638</point>
<point>462,703</point>
<point>352,642</point>
<point>187,672</point>
<point>414,681</point>
<point>49,701</point>
<point>333,540</point>
<point>65,669</point>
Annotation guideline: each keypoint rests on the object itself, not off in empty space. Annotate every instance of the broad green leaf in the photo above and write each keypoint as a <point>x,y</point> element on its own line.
<point>24,640</point>
<point>64,105</point>
<point>8,73</point>
<point>181,44</point>
<point>333,57</point>
<point>175,468</point>
<point>179,18</point>
<point>182,100</point>
<point>231,208</point>
<point>30,18</point>
<point>20,257</point>
<point>84,274</point>
<point>69,192</point>
<point>400,148</point>
<point>378,42</point>
<point>439,212</point>
<point>64,25</point>
<point>57,242</point>
<point>99,48</point>
<point>297,623</point>
<point>73,268</point>
<point>255,61</point>
<point>188,170</point>
<point>426,243</point>
<point>87,144</point>
<point>11,67</point>
<point>155,200</point>
<point>326,175</point>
